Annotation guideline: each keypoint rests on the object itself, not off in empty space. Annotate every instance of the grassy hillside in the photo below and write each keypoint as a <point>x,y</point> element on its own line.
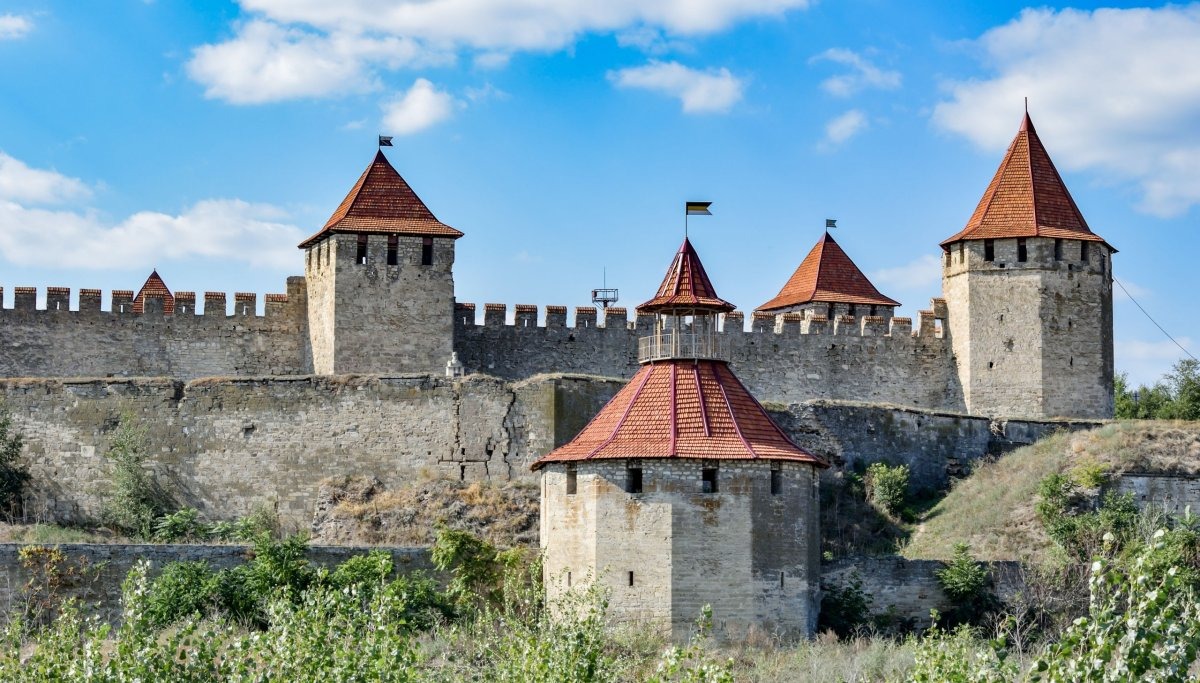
<point>993,509</point>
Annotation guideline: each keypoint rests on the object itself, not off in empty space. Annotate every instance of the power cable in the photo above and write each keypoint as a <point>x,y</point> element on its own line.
<point>1160,327</point>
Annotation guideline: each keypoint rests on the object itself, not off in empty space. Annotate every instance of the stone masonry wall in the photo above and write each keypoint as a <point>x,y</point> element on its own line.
<point>226,446</point>
<point>780,358</point>
<point>1173,494</point>
<point>105,568</point>
<point>89,342</point>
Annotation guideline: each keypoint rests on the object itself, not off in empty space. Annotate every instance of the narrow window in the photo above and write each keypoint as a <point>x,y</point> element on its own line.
<point>1022,253</point>
<point>852,311</point>
<point>708,478</point>
<point>829,311</point>
<point>568,579</point>
<point>361,258</point>
<point>781,580</point>
<point>633,477</point>
<point>962,257</point>
<point>630,578</point>
<point>393,250</point>
<point>776,479</point>
<point>427,251</point>
<point>571,480</point>
<point>874,310</point>
<point>1083,252</point>
<point>309,257</point>
<point>989,250</point>
<point>1057,250</point>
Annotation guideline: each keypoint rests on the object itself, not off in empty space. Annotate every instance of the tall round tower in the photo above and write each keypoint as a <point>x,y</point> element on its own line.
<point>682,492</point>
<point>1028,288</point>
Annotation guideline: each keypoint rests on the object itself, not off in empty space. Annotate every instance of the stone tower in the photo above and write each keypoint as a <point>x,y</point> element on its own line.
<point>1028,287</point>
<point>380,281</point>
<point>828,283</point>
<point>682,492</point>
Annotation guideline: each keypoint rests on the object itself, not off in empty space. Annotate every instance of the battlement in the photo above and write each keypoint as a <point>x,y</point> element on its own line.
<point>588,319</point>
<point>58,300</point>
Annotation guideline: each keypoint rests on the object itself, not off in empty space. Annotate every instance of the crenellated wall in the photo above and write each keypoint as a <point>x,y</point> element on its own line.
<point>785,358</point>
<point>89,342</point>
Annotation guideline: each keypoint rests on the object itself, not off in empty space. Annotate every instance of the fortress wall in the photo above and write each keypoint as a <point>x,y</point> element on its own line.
<point>785,358</point>
<point>89,342</point>
<point>1173,493</point>
<point>226,446</point>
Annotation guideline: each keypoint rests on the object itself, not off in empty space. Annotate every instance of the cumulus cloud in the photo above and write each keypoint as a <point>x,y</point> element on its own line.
<point>842,128</point>
<point>862,75</point>
<point>712,90</point>
<point>1112,91</point>
<point>419,108</point>
<point>79,237</point>
<point>19,182</point>
<point>312,48</point>
<point>14,26</point>
<point>924,272</point>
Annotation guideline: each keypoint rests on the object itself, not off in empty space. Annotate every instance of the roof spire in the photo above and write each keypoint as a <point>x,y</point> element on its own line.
<point>686,285</point>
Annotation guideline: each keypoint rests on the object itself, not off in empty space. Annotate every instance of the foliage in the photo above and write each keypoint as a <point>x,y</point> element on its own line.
<point>475,567</point>
<point>135,499</point>
<point>1089,473</point>
<point>1176,397</point>
<point>967,583</point>
<point>1142,624</point>
<point>845,609</point>
<point>959,656</point>
<point>1078,531</point>
<point>185,526</point>
<point>692,664</point>
<point>14,476</point>
<point>51,576</point>
<point>183,589</point>
<point>180,526</point>
<point>887,487</point>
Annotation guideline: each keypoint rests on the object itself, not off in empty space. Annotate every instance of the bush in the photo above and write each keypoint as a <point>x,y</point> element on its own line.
<point>887,487</point>
<point>183,589</point>
<point>13,473</point>
<point>1066,514</point>
<point>845,610</point>
<point>135,500</point>
<point>474,566</point>
<point>180,526</point>
<point>968,585</point>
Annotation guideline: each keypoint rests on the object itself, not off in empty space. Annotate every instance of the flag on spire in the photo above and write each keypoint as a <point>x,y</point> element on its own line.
<point>385,140</point>
<point>697,208</point>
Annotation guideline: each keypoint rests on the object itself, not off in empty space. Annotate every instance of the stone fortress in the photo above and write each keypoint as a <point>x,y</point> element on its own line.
<point>346,372</point>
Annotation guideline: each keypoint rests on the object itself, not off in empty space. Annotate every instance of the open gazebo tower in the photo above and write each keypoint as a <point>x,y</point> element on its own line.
<point>682,491</point>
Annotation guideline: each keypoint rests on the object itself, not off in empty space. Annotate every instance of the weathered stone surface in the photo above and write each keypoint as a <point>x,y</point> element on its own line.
<point>1173,493</point>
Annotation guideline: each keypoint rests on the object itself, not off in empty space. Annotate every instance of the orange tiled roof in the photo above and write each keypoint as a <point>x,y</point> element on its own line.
<point>827,275</point>
<point>1026,198</point>
<point>382,202</point>
<point>154,285</point>
<point>682,409</point>
<point>686,285</point>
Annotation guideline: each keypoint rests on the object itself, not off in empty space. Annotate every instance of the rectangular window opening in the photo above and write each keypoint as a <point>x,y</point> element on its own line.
<point>572,480</point>
<point>633,478</point>
<point>781,579</point>
<point>708,478</point>
<point>989,250</point>
<point>568,579</point>
<point>1022,252</point>
<point>427,251</point>
<point>1083,255</point>
<point>776,479</point>
<point>630,578</point>
<point>961,253</point>
<point>393,250</point>
<point>361,257</point>
<point>1057,250</point>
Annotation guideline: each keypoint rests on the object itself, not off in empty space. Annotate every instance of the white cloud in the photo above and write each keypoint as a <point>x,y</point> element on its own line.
<point>20,183</point>
<point>1146,362</point>
<point>314,48</point>
<point>485,92</point>
<point>924,272</point>
<point>842,128</point>
<point>267,62</point>
<point>1112,91</point>
<point>419,108</point>
<point>863,74</point>
<point>79,237</point>
<point>14,26</point>
<point>713,90</point>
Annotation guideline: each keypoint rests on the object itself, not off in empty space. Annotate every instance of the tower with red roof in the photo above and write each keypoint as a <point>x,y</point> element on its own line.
<point>682,492</point>
<point>829,283</point>
<point>1028,287</point>
<point>380,281</point>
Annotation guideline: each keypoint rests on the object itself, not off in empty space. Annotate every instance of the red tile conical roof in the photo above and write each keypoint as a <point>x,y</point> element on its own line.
<point>382,202</point>
<point>154,285</point>
<point>686,285</point>
<point>827,275</point>
<point>1026,198</point>
<point>682,409</point>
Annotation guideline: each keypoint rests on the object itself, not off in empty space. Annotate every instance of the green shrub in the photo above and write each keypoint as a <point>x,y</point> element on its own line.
<point>1066,514</point>
<point>845,609</point>
<point>1089,473</point>
<point>967,583</point>
<point>887,487</point>
<point>182,589</point>
<point>180,526</point>
<point>14,476</point>
<point>135,501</point>
<point>474,566</point>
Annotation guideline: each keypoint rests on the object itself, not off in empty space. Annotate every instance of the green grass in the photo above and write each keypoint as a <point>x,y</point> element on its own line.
<point>993,509</point>
<point>50,534</point>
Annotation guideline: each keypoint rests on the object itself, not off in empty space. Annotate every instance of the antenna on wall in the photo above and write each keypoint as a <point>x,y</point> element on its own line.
<point>604,297</point>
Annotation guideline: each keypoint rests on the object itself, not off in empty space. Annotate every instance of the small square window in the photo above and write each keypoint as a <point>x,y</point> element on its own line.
<point>989,250</point>
<point>633,478</point>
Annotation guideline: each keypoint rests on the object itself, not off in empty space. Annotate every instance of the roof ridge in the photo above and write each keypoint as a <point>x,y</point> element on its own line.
<point>733,416</point>
<point>624,415</point>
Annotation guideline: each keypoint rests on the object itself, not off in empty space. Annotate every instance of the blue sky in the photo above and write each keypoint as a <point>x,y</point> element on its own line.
<point>207,139</point>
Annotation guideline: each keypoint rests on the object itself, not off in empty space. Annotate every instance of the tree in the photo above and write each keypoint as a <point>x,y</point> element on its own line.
<point>13,473</point>
<point>136,500</point>
<point>1175,398</point>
